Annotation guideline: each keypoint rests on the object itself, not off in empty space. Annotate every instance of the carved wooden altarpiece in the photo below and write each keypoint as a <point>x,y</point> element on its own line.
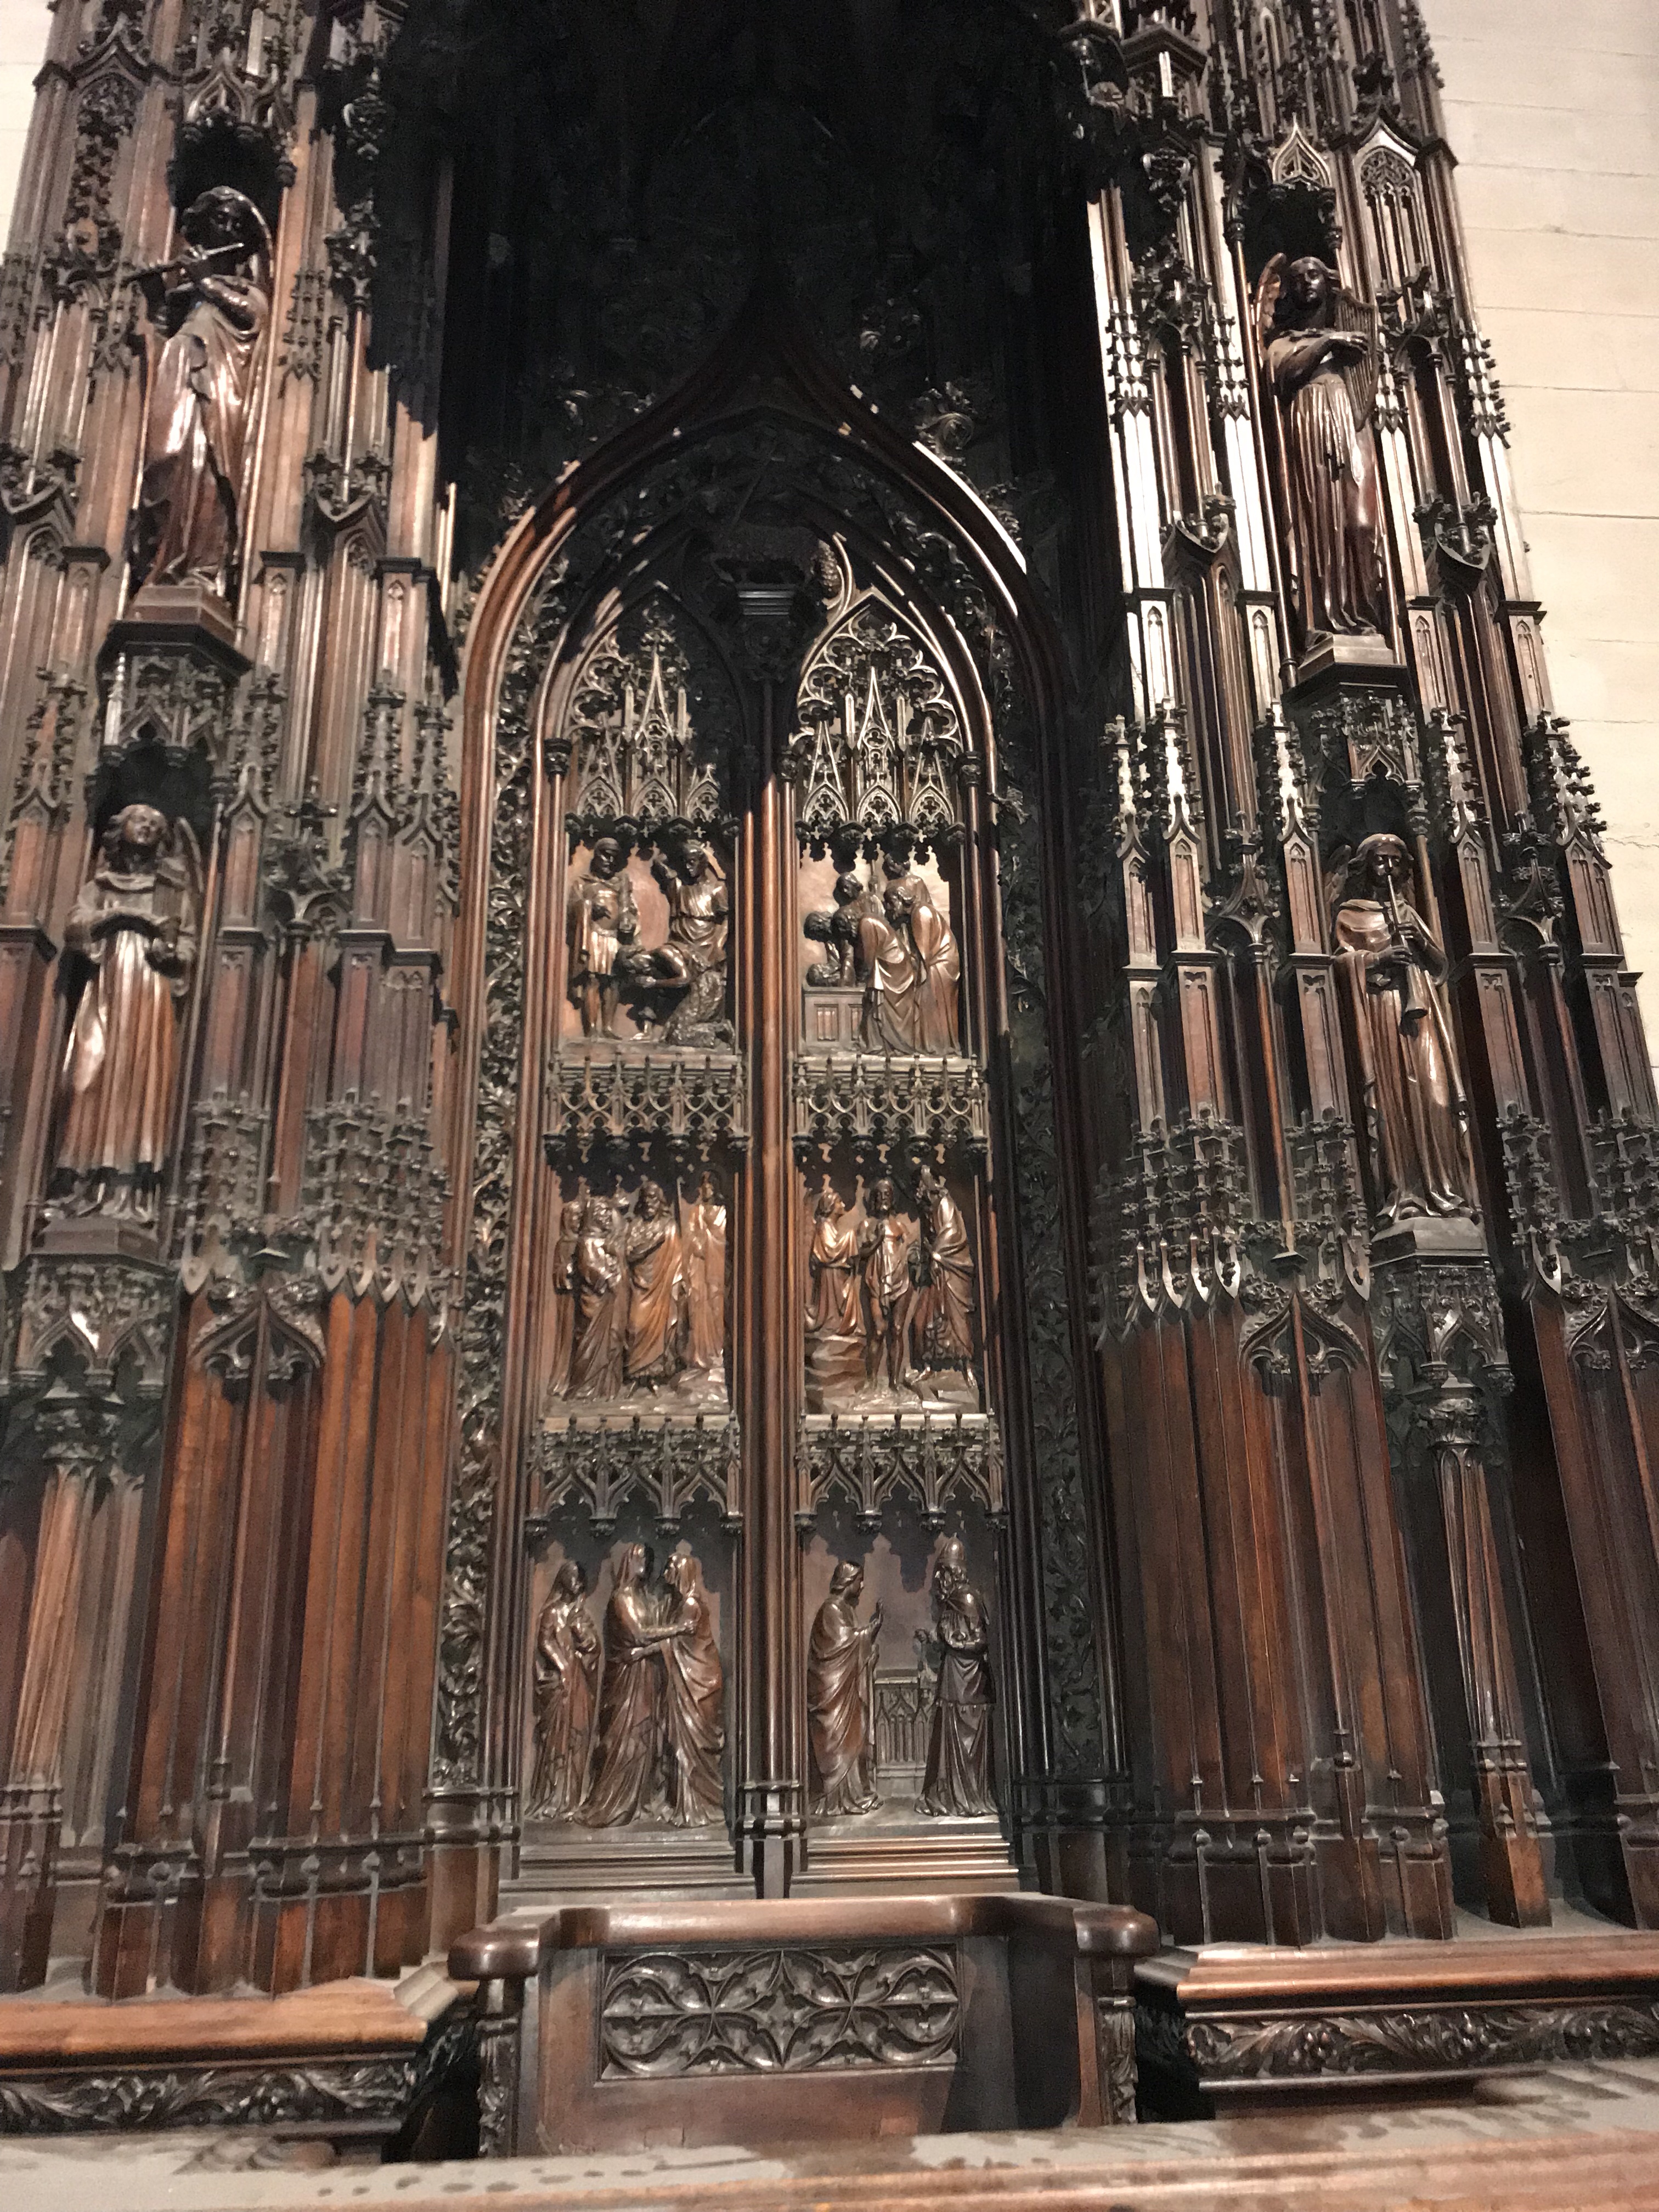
<point>815,1072</point>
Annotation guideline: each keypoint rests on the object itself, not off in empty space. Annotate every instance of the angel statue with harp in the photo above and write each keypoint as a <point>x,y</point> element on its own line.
<point>1319,347</point>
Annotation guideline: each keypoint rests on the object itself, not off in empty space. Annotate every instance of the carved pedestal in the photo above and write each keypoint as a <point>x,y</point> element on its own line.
<point>779,2021</point>
<point>1441,1343</point>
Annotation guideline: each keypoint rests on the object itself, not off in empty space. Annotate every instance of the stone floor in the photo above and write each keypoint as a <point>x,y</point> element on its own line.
<point>1563,2139</point>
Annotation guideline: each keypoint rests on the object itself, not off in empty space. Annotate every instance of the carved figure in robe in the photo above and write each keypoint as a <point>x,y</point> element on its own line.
<point>601,1299</point>
<point>135,920</point>
<point>1320,353</point>
<point>562,1324</point>
<point>628,1754</point>
<point>1414,1111</point>
<point>695,954</point>
<point>601,923</point>
<point>567,1685</point>
<point>836,928</point>
<point>943,1324</point>
<point>695,1692</point>
<point>835,1310</point>
<point>841,1697</point>
<point>887,1295</point>
<point>908,957</point>
<point>656,1290</point>
<point>956,1784</point>
<point>703,1239</point>
<point>214,303</point>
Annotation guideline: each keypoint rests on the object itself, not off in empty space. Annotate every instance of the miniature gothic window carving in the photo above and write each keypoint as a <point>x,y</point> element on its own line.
<point>878,742</point>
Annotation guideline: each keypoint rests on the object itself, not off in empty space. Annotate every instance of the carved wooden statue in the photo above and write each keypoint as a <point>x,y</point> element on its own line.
<point>215,303</point>
<point>628,1757</point>
<point>135,919</point>
<point>889,1294</point>
<point>695,954</point>
<point>943,1323</point>
<point>601,923</point>
<point>1413,1109</point>
<point>599,1297</point>
<point>704,1244</point>
<point>836,928</point>
<point>566,1683</point>
<point>656,1290</point>
<point>694,1688</point>
<point>957,1781</point>
<point>911,967</point>
<point>563,1318</point>
<point>835,1312</point>
<point>841,1697</point>
<point>1321,361</point>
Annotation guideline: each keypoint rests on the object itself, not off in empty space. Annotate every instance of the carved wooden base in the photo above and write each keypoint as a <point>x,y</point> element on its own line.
<point>566,1861</point>
<point>30,1820</point>
<point>355,2056</point>
<point>853,1856</point>
<point>793,2019</point>
<point>1225,2030</point>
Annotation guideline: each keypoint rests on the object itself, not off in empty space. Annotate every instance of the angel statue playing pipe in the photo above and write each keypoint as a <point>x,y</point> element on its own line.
<point>214,303</point>
<point>1319,346</point>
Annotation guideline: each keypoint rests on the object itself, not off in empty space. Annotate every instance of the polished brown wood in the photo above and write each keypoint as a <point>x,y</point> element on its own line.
<point>841,918</point>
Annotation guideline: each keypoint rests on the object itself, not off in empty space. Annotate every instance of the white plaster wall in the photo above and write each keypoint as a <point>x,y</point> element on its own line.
<point>1552,111</point>
<point>23,28</point>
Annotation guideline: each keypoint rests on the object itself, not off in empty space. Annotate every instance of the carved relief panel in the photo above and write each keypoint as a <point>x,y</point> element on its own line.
<point>652,1323</point>
<point>627,1719</point>
<point>897,1437</point>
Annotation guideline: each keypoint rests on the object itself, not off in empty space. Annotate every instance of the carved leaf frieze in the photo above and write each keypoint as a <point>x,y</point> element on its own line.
<point>596,1097</point>
<point>933,1460</point>
<point>1441,2040</point>
<point>879,1101</point>
<point>666,1465</point>
<point>664,2015</point>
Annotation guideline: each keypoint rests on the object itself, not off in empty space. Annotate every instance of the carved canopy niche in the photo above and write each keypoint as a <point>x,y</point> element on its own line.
<point>877,743</point>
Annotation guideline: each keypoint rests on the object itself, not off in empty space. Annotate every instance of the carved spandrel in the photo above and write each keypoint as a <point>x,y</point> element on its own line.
<point>892,1298</point>
<point>639,1299</point>
<point>134,928</point>
<point>878,742</point>
<point>652,729</point>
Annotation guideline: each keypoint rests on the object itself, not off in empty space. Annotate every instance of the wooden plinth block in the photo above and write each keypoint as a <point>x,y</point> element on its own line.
<point>779,2019</point>
<point>1230,2028</point>
<point>352,2058</point>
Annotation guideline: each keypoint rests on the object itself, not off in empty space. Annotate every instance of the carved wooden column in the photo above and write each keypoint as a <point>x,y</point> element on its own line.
<point>771,1808</point>
<point>82,1390</point>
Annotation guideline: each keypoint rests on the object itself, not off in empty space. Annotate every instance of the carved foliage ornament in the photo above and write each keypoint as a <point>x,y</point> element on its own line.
<point>877,743</point>
<point>1068,1604</point>
<point>651,730</point>
<point>1446,2039</point>
<point>776,2011</point>
<point>718,472</point>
